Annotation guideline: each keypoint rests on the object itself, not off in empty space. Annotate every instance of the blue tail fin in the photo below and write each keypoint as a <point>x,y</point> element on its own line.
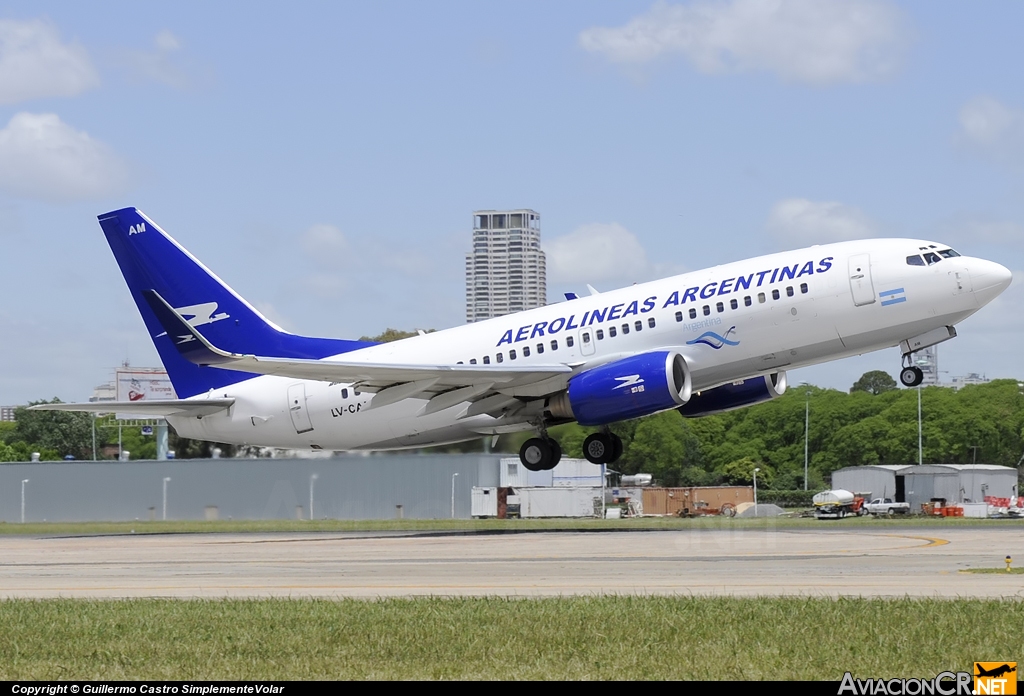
<point>151,260</point>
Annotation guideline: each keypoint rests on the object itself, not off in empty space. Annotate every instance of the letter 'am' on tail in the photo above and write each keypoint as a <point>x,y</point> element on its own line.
<point>151,260</point>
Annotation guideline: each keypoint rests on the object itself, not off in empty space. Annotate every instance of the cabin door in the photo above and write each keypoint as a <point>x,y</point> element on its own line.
<point>860,280</point>
<point>297,408</point>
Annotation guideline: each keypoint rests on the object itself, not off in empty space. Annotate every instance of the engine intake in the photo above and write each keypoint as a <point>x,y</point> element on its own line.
<point>728,397</point>
<point>629,388</point>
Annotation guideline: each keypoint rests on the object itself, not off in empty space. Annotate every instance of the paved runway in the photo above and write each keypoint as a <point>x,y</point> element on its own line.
<point>825,562</point>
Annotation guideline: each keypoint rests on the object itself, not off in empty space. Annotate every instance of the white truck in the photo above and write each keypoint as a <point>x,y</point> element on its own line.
<point>837,504</point>
<point>887,506</point>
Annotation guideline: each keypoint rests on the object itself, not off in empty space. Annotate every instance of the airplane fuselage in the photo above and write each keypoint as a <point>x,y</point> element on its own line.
<point>734,321</point>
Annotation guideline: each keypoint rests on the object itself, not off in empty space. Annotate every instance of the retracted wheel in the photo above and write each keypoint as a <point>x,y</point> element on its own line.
<point>911,376</point>
<point>598,448</point>
<point>536,454</point>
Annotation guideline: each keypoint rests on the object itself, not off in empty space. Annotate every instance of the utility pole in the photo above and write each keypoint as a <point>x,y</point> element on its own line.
<point>920,448</point>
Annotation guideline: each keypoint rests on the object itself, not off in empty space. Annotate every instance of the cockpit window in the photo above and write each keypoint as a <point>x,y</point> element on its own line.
<point>948,253</point>
<point>931,258</point>
<point>915,261</point>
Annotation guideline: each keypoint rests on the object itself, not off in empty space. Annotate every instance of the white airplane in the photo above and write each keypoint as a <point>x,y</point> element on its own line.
<point>700,343</point>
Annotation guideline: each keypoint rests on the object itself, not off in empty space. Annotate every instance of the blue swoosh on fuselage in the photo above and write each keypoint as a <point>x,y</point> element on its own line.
<point>713,340</point>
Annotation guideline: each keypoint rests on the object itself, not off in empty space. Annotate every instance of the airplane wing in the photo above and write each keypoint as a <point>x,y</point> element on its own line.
<point>392,382</point>
<point>157,408</point>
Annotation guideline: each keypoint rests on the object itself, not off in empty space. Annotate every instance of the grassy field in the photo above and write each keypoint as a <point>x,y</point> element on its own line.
<point>294,526</point>
<point>488,638</point>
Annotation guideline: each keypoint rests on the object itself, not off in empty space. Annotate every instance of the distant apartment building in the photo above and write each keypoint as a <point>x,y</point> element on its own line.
<point>7,413</point>
<point>506,270</point>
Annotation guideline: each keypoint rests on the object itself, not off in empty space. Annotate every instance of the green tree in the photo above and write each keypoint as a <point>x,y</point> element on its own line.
<point>874,382</point>
<point>65,433</point>
<point>390,334</point>
<point>741,473</point>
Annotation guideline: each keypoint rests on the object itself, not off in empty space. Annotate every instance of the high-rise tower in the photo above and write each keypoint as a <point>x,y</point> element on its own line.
<point>506,271</point>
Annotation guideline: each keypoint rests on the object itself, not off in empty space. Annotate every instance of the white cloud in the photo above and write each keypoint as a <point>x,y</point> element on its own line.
<point>43,157</point>
<point>596,252</point>
<point>35,63</point>
<point>817,222</point>
<point>969,229</point>
<point>322,240</point>
<point>991,126</point>
<point>812,41</point>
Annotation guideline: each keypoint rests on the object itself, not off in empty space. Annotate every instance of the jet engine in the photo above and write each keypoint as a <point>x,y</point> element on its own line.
<point>628,388</point>
<point>727,397</point>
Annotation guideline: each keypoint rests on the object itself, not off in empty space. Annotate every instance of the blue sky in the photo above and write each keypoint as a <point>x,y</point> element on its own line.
<point>325,158</point>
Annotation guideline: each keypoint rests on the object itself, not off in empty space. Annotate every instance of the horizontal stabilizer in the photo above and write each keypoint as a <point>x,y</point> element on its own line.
<point>155,408</point>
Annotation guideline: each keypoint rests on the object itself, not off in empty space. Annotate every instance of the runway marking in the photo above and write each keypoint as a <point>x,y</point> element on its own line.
<point>932,541</point>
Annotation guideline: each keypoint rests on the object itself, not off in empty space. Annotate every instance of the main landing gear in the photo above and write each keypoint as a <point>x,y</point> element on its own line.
<point>602,448</point>
<point>543,453</point>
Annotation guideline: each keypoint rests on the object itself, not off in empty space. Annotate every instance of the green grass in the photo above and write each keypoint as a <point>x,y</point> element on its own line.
<point>488,638</point>
<point>994,571</point>
<point>296,526</point>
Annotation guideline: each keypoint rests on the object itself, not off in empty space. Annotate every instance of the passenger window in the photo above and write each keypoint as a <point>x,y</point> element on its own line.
<point>693,313</point>
<point>803,288</point>
<point>500,357</point>
<point>625,329</point>
<point>760,297</point>
<point>586,337</point>
<point>487,360</point>
<point>526,351</point>
<point>638,325</point>
<point>747,301</point>
<point>459,363</point>
<point>611,332</point>
<point>569,341</point>
<point>355,392</point>
<point>734,304</point>
<point>775,294</point>
<point>554,345</point>
<point>600,334</point>
<point>915,261</point>
<point>650,322</point>
<point>789,291</point>
<point>679,316</point>
<point>472,361</point>
<point>511,355</point>
<point>344,393</point>
<point>540,348</point>
<point>707,310</point>
<point>720,307</point>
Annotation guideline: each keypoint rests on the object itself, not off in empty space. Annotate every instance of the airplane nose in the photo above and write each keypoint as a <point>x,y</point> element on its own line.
<point>989,280</point>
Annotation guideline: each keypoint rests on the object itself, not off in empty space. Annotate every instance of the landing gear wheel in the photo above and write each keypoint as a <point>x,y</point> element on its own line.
<point>911,376</point>
<point>616,449</point>
<point>535,454</point>
<point>598,448</point>
<point>556,453</point>
<point>539,454</point>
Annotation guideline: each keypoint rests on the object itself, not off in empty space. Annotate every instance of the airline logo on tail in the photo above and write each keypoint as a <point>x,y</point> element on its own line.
<point>197,315</point>
<point>137,229</point>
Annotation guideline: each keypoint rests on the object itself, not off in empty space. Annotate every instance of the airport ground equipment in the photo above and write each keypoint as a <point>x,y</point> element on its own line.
<point>837,504</point>
<point>886,506</point>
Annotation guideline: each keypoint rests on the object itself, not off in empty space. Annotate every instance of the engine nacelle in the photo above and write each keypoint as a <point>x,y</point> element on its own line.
<point>736,395</point>
<point>629,388</point>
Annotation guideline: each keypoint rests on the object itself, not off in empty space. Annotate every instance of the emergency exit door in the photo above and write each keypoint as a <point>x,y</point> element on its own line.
<point>297,408</point>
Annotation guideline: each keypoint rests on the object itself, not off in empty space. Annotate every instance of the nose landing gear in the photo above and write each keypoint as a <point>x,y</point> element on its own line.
<point>911,375</point>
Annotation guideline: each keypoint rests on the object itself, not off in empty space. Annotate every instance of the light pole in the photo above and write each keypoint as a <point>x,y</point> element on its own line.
<point>312,478</point>
<point>23,482</point>
<point>807,424</point>
<point>166,481</point>
<point>920,449</point>
<point>756,469</point>
<point>453,494</point>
